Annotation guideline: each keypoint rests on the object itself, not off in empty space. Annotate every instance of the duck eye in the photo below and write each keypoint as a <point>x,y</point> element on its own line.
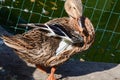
<point>74,8</point>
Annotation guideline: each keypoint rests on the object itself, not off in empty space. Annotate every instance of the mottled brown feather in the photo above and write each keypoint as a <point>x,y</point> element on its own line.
<point>36,47</point>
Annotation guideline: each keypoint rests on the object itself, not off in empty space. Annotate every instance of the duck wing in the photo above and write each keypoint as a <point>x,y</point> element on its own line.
<point>35,46</point>
<point>55,30</point>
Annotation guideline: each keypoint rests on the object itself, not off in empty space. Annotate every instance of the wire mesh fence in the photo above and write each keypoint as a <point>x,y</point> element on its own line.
<point>105,16</point>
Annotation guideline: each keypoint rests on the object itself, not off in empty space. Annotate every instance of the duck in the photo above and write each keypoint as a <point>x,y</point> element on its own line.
<point>50,44</point>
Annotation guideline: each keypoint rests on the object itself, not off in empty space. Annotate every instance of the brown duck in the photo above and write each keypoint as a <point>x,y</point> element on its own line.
<point>54,42</point>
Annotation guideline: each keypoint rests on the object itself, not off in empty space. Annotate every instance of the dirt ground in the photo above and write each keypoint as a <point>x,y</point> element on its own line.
<point>13,68</point>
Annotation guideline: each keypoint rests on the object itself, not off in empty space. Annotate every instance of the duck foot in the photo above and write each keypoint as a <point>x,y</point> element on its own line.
<point>51,76</point>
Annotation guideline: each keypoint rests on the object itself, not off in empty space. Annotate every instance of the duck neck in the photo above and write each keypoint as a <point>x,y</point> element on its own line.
<point>75,22</point>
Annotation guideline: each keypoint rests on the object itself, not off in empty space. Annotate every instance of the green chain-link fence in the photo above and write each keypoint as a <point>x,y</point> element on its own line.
<point>104,14</point>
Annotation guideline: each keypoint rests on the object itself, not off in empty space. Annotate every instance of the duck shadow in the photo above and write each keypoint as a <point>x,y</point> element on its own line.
<point>12,67</point>
<point>77,68</point>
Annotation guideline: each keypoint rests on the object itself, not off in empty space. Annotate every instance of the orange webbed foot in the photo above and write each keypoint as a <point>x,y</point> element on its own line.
<point>51,76</point>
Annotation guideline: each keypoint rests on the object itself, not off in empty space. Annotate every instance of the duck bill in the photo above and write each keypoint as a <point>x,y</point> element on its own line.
<point>80,27</point>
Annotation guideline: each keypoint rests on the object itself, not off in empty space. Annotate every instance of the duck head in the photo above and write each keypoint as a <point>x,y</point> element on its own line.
<point>80,25</point>
<point>73,8</point>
